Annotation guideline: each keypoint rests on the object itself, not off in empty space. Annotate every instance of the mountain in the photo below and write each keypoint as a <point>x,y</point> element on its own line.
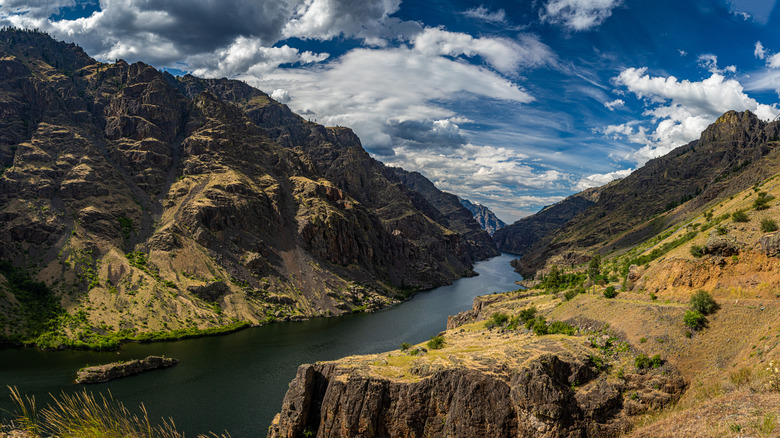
<point>678,315</point>
<point>450,213</point>
<point>484,217</point>
<point>139,205</point>
<point>521,235</point>
<point>732,154</point>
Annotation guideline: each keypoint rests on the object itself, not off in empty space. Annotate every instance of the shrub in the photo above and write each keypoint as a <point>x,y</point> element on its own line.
<point>697,251</point>
<point>405,346</point>
<point>703,303</point>
<point>721,230</point>
<point>562,328</point>
<point>642,340</point>
<point>642,361</point>
<point>656,361</point>
<point>768,225</point>
<point>739,216</point>
<point>610,292</point>
<point>436,342</point>
<point>569,294</point>
<point>497,319</point>
<point>694,320</point>
<point>527,314</point>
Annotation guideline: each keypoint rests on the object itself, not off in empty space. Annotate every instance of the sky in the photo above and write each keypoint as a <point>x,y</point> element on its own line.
<point>511,104</point>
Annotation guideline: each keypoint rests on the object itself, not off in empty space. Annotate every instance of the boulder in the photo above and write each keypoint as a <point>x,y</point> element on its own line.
<point>770,244</point>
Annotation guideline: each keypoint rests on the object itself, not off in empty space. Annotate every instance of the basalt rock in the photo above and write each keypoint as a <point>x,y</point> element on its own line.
<point>104,373</point>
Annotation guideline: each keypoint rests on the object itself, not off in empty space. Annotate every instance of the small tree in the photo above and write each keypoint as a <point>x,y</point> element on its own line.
<point>594,268</point>
<point>703,303</point>
<point>694,320</point>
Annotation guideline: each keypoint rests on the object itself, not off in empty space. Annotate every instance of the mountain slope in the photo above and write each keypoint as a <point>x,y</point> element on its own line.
<point>147,203</point>
<point>734,153</point>
<point>484,217</point>
<point>521,235</point>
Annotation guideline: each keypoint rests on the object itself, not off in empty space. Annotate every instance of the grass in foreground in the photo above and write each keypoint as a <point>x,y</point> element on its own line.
<point>83,415</point>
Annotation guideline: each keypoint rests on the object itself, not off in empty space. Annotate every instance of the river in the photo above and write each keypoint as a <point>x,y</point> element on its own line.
<point>236,382</point>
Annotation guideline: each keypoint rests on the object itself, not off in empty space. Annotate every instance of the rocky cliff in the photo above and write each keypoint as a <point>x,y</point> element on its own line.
<point>484,217</point>
<point>487,380</point>
<point>134,202</point>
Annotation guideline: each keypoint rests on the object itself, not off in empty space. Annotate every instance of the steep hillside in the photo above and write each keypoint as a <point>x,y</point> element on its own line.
<point>484,217</point>
<point>450,212</point>
<point>521,235</point>
<point>137,205</point>
<point>734,153</point>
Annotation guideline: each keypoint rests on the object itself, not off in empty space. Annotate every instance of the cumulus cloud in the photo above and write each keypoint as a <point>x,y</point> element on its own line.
<point>759,51</point>
<point>248,56</point>
<point>578,15</point>
<point>485,14</point>
<point>599,179</point>
<point>281,96</point>
<point>369,20</point>
<point>773,61</point>
<point>680,110</point>
<point>710,63</point>
<point>617,103</point>
<point>503,54</point>
<point>395,85</point>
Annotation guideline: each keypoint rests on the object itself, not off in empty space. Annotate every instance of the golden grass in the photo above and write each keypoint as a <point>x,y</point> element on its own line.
<point>84,415</point>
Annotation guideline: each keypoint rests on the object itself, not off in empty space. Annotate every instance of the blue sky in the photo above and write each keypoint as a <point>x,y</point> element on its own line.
<point>514,105</point>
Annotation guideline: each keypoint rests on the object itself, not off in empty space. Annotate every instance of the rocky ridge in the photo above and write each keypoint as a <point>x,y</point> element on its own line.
<point>140,203</point>
<point>484,217</point>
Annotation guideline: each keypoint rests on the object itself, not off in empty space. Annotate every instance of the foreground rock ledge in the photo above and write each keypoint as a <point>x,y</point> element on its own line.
<point>104,373</point>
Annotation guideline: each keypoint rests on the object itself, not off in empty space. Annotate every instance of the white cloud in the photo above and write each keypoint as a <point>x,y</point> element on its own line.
<point>617,103</point>
<point>394,85</point>
<point>578,15</point>
<point>248,56</point>
<point>599,179</point>
<point>759,51</point>
<point>682,52</point>
<point>773,61</point>
<point>484,14</point>
<point>710,63</point>
<point>502,54</point>
<point>281,96</point>
<point>680,110</point>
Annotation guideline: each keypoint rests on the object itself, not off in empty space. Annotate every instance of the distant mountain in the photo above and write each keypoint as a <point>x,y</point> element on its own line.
<point>484,217</point>
<point>521,235</point>
<point>734,153</point>
<point>149,205</point>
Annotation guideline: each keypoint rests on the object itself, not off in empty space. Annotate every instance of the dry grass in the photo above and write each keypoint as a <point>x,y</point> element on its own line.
<point>83,415</point>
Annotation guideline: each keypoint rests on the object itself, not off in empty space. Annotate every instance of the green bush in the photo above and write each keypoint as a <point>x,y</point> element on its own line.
<point>540,326</point>
<point>740,216</point>
<point>694,320</point>
<point>405,346</point>
<point>697,251</point>
<point>436,342</point>
<point>497,319</point>
<point>527,314</point>
<point>703,303</point>
<point>562,328</point>
<point>768,225</point>
<point>762,202</point>
<point>610,292</point>
<point>656,361</point>
<point>569,294</point>
<point>642,361</point>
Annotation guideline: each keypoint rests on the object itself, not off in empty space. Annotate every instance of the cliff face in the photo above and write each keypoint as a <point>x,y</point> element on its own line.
<point>484,217</point>
<point>450,212</point>
<point>482,383</point>
<point>145,203</point>
<point>734,153</point>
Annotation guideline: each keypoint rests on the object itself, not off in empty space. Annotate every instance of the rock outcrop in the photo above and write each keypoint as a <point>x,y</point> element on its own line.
<point>484,217</point>
<point>549,396</point>
<point>115,370</point>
